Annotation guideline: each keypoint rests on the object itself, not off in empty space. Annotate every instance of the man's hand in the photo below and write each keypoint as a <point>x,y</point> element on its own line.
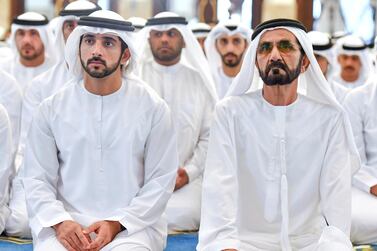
<point>106,232</point>
<point>373,190</point>
<point>182,179</point>
<point>70,235</point>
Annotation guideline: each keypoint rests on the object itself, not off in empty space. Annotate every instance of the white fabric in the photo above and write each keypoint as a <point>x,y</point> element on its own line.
<point>318,93</point>
<point>364,217</point>
<point>252,145</point>
<point>360,104</point>
<point>192,53</point>
<point>24,74</point>
<point>183,209</point>
<point>6,170</point>
<point>40,88</point>
<point>17,224</point>
<point>123,144</point>
<point>72,45</point>
<point>364,58</point>
<point>214,58</point>
<point>11,99</point>
<point>223,84</point>
<point>339,91</point>
<point>191,105</point>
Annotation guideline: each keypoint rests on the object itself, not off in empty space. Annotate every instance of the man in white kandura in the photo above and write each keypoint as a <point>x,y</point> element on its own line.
<point>174,65</point>
<point>32,48</point>
<point>323,52</point>
<point>101,157</point>
<point>6,165</point>
<point>353,60</point>
<point>225,47</point>
<point>361,105</point>
<point>278,170</point>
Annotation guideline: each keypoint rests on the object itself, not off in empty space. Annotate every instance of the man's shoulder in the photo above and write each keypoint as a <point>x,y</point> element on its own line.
<point>136,87</point>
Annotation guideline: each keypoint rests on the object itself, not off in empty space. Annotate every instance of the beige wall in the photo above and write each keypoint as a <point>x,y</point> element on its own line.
<point>279,9</point>
<point>4,14</point>
<point>132,8</point>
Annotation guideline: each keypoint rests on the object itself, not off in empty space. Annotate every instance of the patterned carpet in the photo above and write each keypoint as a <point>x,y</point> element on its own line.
<point>177,242</point>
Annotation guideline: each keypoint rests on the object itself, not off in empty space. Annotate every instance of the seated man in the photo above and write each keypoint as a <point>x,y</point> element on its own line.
<point>278,170</point>
<point>361,106</point>
<point>101,157</point>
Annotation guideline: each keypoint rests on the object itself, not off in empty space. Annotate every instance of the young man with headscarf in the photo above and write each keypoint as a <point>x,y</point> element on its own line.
<point>225,47</point>
<point>278,170</point>
<point>361,105</point>
<point>323,52</point>
<point>6,165</point>
<point>101,158</point>
<point>353,60</point>
<point>174,65</point>
<point>31,46</point>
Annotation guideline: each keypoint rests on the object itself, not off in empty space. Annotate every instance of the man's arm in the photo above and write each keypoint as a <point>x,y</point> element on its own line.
<point>218,227</point>
<point>40,176</point>
<point>335,180</point>
<point>194,167</point>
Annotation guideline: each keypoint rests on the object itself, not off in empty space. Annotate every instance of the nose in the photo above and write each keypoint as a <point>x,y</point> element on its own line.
<point>26,38</point>
<point>97,49</point>
<point>275,54</point>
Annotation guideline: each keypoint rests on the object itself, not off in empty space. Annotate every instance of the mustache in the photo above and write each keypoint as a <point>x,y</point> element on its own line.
<point>349,67</point>
<point>90,60</point>
<point>276,64</point>
<point>230,54</point>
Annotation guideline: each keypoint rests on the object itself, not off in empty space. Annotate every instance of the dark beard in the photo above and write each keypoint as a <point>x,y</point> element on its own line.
<point>104,73</point>
<point>234,63</point>
<point>277,78</point>
<point>166,57</point>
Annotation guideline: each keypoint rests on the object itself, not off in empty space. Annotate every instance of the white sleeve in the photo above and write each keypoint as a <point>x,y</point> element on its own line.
<point>41,167</point>
<point>160,167</point>
<point>218,228</point>
<point>6,170</point>
<point>195,165</point>
<point>30,103</point>
<point>335,180</point>
<point>355,106</point>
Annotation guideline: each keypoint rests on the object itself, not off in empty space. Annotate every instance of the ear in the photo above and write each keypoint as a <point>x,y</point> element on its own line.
<point>126,56</point>
<point>305,63</point>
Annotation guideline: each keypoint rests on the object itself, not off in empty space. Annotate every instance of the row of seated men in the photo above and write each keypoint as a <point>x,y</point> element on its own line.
<point>66,133</point>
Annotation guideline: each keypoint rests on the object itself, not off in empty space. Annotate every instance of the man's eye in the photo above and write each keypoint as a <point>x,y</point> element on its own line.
<point>285,46</point>
<point>88,41</point>
<point>265,48</point>
<point>108,44</point>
